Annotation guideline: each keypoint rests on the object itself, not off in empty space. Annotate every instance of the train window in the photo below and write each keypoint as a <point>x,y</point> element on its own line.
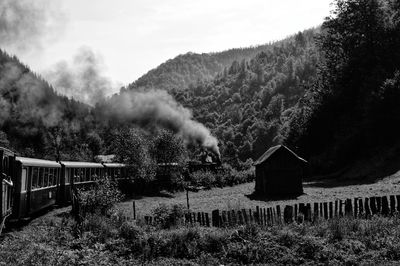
<point>46,177</point>
<point>41,175</point>
<point>35,177</point>
<point>23,179</point>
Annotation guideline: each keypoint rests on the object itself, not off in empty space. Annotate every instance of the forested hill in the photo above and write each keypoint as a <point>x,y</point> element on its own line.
<point>35,120</point>
<point>249,103</point>
<point>189,69</point>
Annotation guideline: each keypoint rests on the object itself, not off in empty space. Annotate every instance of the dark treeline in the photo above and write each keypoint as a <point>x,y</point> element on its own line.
<point>352,111</point>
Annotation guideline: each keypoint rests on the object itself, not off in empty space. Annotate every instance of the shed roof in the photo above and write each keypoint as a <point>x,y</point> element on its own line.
<point>272,150</point>
<point>37,162</point>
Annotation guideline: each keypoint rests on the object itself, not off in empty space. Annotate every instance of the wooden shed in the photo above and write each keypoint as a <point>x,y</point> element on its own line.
<point>279,172</point>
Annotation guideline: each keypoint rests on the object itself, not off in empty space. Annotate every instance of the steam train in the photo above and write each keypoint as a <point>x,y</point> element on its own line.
<point>29,185</point>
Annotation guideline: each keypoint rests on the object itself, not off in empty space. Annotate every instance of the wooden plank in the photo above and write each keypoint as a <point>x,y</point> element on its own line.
<point>361,207</point>
<point>355,207</point>
<point>207,220</point>
<point>336,214</point>
<point>348,207</point>
<point>392,200</point>
<point>316,211</point>
<point>384,206</point>
<point>288,214</point>
<point>215,218</point>
<point>326,214</point>
<point>308,216</point>
<point>372,205</point>
<point>330,209</point>
<point>367,208</point>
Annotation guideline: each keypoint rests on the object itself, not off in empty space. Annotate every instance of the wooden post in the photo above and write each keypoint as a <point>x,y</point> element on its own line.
<point>340,208</point>
<point>278,214</point>
<point>331,209</point>
<point>134,210</point>
<point>302,209</point>
<point>361,207</point>
<point>326,210</point>
<point>207,220</point>
<point>224,219</point>
<point>392,204</point>
<point>215,218</point>
<point>356,207</point>
<point>199,218</point>
<point>321,212</point>
<point>336,208</point>
<point>384,206</point>
<point>251,217</point>
<point>372,204</point>
<point>316,211</point>
<point>203,219</point>
<point>398,202</point>
<point>245,219</point>
<point>378,201</point>
<point>240,215</point>
<point>269,216</point>
<point>366,207</point>
<point>308,212</point>
<point>348,208</point>
<point>288,214</point>
<point>257,215</point>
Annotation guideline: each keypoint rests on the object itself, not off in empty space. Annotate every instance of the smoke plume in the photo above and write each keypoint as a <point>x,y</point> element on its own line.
<point>158,108</point>
<point>82,79</point>
<point>26,24</point>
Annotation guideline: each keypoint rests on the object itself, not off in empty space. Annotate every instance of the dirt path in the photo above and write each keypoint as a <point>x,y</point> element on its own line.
<point>236,197</point>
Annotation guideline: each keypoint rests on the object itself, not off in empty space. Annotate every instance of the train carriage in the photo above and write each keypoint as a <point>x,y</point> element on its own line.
<point>7,158</point>
<point>80,175</point>
<point>36,183</point>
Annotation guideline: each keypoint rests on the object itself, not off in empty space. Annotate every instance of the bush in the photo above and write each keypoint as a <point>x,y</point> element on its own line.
<point>100,199</point>
<point>203,178</point>
<point>169,216</point>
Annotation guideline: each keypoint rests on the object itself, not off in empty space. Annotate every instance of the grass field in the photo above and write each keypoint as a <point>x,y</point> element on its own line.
<point>237,196</point>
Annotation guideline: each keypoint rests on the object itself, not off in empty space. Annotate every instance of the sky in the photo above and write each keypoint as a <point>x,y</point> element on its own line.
<point>133,36</point>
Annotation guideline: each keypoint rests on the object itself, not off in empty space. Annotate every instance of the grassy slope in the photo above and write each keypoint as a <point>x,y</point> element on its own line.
<point>235,197</point>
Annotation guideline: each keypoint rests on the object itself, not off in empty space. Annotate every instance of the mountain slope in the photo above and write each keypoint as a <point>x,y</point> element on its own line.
<point>191,68</point>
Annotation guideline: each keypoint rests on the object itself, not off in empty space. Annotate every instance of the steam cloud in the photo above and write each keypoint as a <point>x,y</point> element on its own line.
<point>82,79</point>
<point>156,107</point>
<point>24,24</point>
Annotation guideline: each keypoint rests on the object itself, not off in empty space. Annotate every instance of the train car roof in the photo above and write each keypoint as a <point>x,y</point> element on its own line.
<point>37,162</point>
<point>111,165</point>
<point>70,164</point>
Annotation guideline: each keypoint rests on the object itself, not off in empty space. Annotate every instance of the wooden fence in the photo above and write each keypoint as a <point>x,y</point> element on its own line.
<point>299,212</point>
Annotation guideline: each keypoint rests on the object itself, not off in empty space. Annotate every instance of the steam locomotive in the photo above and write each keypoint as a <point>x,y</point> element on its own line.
<point>29,185</point>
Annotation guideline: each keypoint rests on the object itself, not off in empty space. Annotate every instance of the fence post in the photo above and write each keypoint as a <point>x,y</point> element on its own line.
<point>308,212</point>
<point>355,207</point>
<point>372,204</point>
<point>278,214</point>
<point>336,208</point>
<point>245,219</point>
<point>340,208</point>
<point>316,212</point>
<point>269,216</point>
<point>367,209</point>
<point>240,215</point>
<point>392,204</point>
<point>215,218</point>
<point>398,202</point>
<point>207,220</point>
<point>361,207</point>
<point>321,212</point>
<point>385,206</point>
<point>326,214</point>
<point>331,209</point>
<point>378,204</point>
<point>348,208</point>
<point>288,214</point>
<point>257,215</point>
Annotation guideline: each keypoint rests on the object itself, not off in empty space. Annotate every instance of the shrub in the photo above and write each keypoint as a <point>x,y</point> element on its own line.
<point>203,178</point>
<point>100,199</point>
<point>169,216</point>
